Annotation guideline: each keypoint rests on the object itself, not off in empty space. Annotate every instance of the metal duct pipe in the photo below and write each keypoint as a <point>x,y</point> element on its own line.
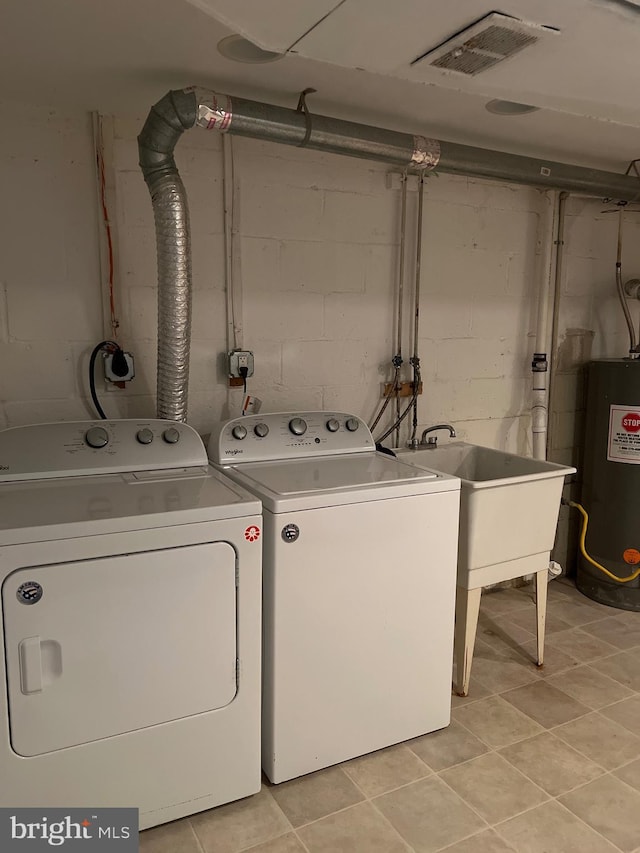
<point>168,119</point>
<point>291,127</point>
<point>180,110</point>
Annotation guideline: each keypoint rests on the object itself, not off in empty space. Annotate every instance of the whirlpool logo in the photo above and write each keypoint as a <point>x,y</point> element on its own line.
<point>233,452</point>
<point>74,829</point>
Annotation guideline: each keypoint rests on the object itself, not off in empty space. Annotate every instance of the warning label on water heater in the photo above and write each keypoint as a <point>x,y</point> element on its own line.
<point>624,434</point>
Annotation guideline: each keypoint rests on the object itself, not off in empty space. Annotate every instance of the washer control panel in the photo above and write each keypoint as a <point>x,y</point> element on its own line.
<point>288,435</point>
<point>80,448</point>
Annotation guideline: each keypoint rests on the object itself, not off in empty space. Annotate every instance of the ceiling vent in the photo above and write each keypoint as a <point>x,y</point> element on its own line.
<point>483,45</point>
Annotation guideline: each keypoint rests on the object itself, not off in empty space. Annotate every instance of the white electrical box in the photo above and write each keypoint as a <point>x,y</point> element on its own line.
<point>238,360</point>
<point>113,377</point>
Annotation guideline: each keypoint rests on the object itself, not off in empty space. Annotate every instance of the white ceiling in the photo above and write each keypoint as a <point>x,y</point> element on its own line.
<point>122,55</point>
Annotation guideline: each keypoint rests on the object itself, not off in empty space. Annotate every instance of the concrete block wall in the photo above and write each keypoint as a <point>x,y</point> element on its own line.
<point>318,254</point>
<point>50,302</point>
<point>319,267</point>
<point>590,325</point>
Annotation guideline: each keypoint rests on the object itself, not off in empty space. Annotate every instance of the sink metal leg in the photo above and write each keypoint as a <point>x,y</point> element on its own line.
<point>542,584</point>
<point>467,610</point>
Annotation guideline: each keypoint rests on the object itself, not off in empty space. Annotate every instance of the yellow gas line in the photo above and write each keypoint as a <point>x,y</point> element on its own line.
<point>583,549</point>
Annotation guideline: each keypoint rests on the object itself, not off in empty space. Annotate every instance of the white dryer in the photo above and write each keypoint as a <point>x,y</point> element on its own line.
<point>359,574</point>
<point>130,574</point>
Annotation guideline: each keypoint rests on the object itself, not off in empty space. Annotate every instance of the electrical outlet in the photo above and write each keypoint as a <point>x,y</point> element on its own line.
<point>110,376</point>
<point>240,359</point>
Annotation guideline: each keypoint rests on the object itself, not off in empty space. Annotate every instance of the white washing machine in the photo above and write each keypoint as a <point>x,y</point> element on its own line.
<point>359,574</point>
<point>130,573</point>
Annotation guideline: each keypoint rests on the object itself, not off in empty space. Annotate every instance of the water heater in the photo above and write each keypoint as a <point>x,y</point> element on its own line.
<point>611,482</point>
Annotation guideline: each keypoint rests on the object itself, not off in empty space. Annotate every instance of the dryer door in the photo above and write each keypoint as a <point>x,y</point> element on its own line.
<point>96,648</point>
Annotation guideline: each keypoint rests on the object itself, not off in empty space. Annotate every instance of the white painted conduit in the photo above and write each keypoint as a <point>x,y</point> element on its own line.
<point>233,281</point>
<point>550,283</point>
<point>540,363</point>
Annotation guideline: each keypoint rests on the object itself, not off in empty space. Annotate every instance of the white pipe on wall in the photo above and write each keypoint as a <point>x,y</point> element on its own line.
<point>232,263</point>
<point>551,230</point>
<point>232,250</point>
<point>557,288</point>
<point>540,363</point>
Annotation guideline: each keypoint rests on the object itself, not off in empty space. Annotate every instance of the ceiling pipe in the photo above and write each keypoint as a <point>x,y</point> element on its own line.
<point>180,110</point>
<point>292,127</point>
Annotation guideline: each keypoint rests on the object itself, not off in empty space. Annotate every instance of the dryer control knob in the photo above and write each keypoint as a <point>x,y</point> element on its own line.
<point>333,425</point>
<point>144,436</point>
<point>239,432</point>
<point>171,435</point>
<point>261,430</point>
<point>352,424</point>
<point>97,437</point>
<point>298,426</point>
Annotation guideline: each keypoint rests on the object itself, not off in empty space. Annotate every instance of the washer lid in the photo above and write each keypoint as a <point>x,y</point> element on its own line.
<point>35,510</point>
<point>288,478</point>
<point>332,480</point>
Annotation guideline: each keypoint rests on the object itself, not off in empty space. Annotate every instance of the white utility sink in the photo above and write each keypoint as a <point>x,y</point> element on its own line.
<point>508,515</point>
<point>508,508</point>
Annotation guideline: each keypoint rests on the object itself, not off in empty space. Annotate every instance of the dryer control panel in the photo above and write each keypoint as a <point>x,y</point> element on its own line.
<point>81,448</point>
<point>288,435</point>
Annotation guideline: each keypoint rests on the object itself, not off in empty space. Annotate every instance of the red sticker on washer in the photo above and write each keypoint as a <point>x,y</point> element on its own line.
<point>252,533</point>
<point>631,556</point>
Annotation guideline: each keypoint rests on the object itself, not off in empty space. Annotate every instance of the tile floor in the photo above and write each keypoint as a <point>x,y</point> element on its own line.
<point>534,761</point>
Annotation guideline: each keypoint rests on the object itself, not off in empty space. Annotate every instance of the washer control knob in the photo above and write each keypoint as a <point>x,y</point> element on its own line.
<point>298,426</point>
<point>239,432</point>
<point>97,437</point>
<point>352,424</point>
<point>171,435</point>
<point>261,430</point>
<point>144,436</point>
<point>333,425</point>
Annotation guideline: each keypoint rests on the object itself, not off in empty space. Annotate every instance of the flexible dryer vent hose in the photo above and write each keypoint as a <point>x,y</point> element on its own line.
<point>583,547</point>
<point>166,123</point>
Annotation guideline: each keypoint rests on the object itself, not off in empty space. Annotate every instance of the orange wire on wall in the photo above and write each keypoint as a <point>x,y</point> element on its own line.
<point>107,227</point>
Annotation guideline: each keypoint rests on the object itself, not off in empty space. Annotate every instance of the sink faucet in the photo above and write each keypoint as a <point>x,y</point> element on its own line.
<point>433,441</point>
